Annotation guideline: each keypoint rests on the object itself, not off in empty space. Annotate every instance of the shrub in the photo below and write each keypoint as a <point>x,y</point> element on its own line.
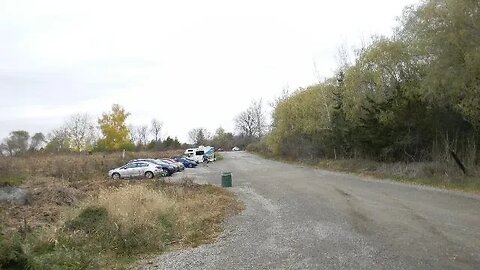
<point>11,251</point>
<point>259,147</point>
<point>89,220</point>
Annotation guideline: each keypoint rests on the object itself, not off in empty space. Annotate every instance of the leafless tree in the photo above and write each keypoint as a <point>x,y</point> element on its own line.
<point>59,140</point>
<point>198,136</point>
<point>156,129</point>
<point>81,131</point>
<point>343,57</point>
<point>142,132</point>
<point>133,133</point>
<point>251,123</point>
<point>139,135</point>
<point>283,97</point>
<point>259,114</point>
<point>245,124</point>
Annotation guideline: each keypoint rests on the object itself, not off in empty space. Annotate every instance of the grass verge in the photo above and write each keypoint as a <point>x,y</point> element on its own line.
<point>121,224</point>
<point>435,174</point>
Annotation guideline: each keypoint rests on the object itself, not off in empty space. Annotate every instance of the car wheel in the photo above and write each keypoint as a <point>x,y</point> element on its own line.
<point>115,176</point>
<point>149,175</point>
<point>190,165</point>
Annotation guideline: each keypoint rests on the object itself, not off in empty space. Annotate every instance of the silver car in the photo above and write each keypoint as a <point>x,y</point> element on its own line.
<point>136,169</point>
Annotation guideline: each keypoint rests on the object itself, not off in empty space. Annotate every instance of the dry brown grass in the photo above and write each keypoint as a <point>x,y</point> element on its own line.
<point>201,210</point>
<point>120,223</point>
<point>73,166</point>
<point>133,205</point>
<point>77,215</point>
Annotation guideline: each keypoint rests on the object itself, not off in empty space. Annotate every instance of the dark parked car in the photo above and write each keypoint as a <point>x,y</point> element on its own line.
<point>186,162</point>
<point>173,163</point>
<point>189,159</point>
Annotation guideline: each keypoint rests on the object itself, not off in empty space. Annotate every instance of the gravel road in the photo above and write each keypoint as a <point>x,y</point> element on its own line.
<point>304,218</point>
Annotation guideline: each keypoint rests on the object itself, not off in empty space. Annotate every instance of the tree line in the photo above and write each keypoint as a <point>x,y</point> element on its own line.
<point>414,96</point>
<point>80,133</point>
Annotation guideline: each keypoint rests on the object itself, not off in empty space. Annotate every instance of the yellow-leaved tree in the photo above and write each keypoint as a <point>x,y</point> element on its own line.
<point>116,135</point>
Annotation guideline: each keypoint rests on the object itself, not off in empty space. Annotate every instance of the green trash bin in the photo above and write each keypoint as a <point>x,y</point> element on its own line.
<point>227,179</point>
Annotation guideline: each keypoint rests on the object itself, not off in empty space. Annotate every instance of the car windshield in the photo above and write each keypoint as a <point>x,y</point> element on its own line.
<point>161,162</point>
<point>153,161</point>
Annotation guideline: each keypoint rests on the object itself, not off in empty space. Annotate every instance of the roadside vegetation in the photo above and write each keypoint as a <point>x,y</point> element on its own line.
<point>77,218</point>
<point>441,175</point>
<point>404,107</point>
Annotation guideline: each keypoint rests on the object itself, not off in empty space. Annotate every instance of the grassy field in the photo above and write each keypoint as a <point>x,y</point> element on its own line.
<point>80,219</point>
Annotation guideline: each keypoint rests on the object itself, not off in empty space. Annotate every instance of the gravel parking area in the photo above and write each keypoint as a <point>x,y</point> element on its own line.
<point>304,218</point>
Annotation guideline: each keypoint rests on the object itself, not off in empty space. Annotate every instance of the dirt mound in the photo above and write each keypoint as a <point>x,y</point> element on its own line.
<point>46,196</point>
<point>58,195</point>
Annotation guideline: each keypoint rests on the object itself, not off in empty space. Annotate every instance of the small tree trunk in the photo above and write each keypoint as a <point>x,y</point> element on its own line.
<point>459,163</point>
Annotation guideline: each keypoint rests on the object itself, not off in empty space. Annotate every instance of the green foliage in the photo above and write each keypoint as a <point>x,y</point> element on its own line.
<point>222,139</point>
<point>37,140</point>
<point>260,147</point>
<point>11,173</point>
<point>59,141</point>
<point>444,35</point>
<point>17,142</point>
<point>11,180</point>
<point>302,122</point>
<point>114,129</point>
<point>170,144</point>
<point>89,220</point>
<point>85,240</point>
<point>411,97</point>
<point>12,255</point>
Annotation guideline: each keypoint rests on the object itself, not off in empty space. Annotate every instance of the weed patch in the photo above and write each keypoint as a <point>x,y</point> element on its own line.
<point>11,180</point>
<point>119,224</point>
<point>433,174</point>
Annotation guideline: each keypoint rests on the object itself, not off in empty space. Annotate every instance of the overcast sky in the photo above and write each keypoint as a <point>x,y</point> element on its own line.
<point>187,63</point>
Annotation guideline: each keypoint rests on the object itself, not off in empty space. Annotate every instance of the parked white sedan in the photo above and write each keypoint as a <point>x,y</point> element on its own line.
<point>136,169</point>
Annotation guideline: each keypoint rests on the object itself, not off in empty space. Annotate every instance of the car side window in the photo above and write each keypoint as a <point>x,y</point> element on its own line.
<point>129,166</point>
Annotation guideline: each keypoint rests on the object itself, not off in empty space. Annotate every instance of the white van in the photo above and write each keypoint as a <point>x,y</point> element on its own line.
<point>196,154</point>
<point>201,153</point>
<point>189,151</point>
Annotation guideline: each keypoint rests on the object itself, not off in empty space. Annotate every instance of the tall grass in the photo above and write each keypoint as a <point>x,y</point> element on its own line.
<point>134,205</point>
<point>78,219</point>
<point>73,166</point>
<point>119,224</point>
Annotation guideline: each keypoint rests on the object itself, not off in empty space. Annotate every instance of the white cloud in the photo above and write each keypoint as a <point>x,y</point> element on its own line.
<point>187,63</point>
